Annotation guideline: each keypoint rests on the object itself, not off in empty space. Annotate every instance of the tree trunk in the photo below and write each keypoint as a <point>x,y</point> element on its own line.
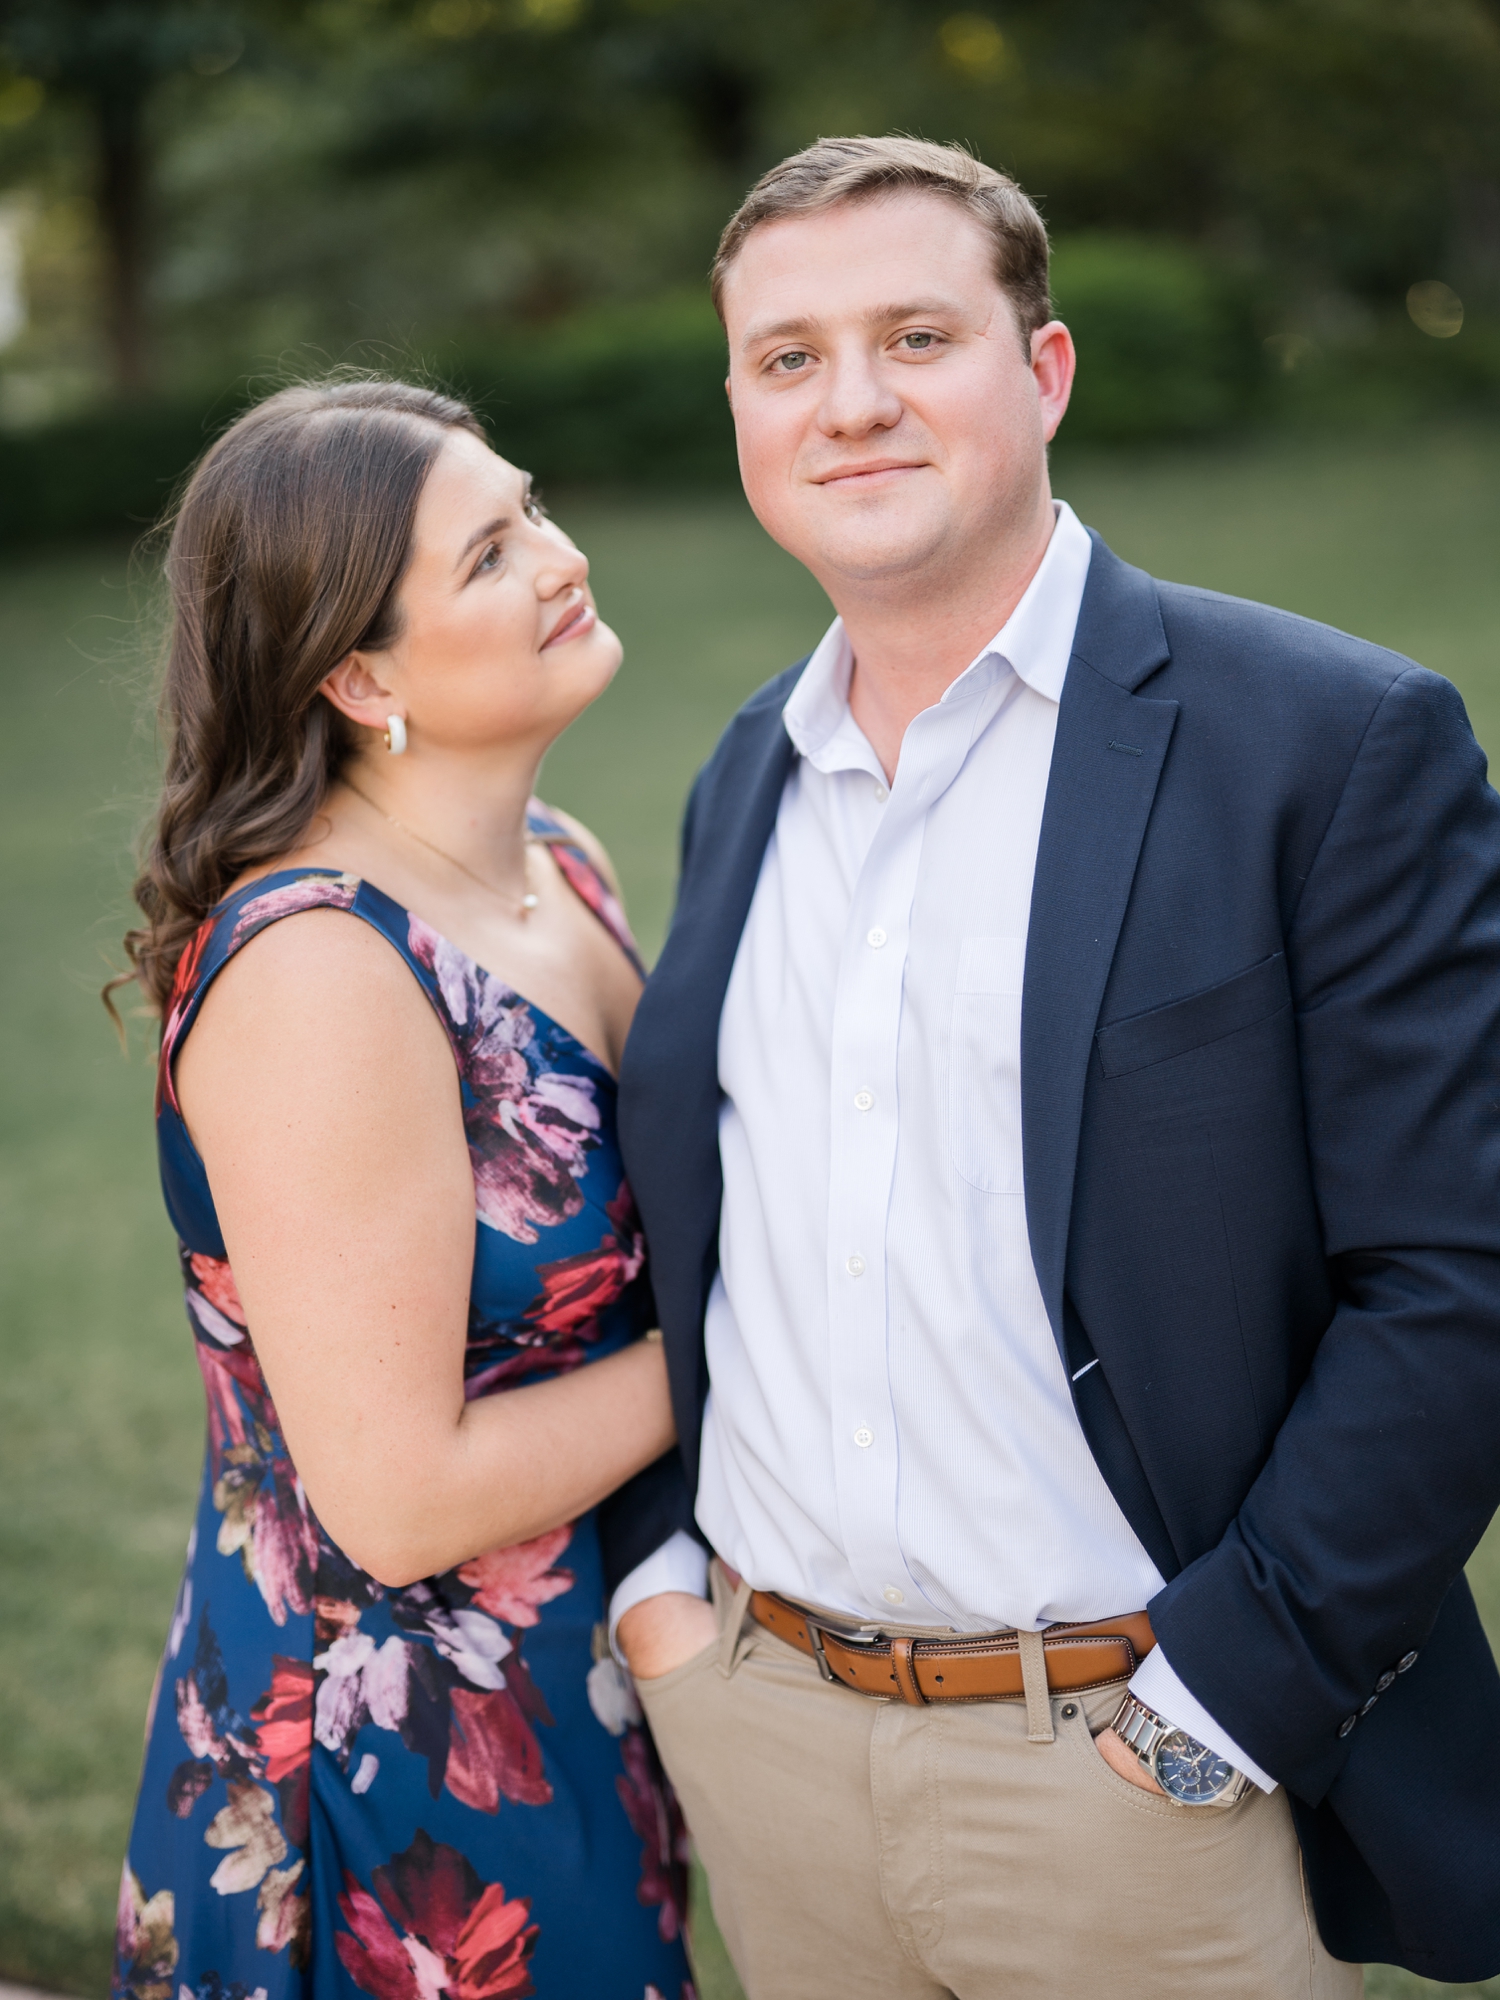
<point>122,200</point>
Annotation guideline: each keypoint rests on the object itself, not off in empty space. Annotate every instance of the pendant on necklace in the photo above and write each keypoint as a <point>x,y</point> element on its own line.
<point>528,902</point>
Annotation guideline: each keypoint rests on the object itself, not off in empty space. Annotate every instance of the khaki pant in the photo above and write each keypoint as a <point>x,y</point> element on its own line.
<point>865,1848</point>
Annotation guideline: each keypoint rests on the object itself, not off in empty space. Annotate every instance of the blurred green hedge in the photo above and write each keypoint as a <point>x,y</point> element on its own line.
<point>1171,346</point>
<point>1168,343</point>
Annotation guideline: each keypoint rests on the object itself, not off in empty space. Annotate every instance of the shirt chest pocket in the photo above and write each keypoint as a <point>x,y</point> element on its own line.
<point>984,1064</point>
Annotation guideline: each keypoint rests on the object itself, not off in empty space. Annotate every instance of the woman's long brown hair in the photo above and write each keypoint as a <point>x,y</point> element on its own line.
<point>286,554</point>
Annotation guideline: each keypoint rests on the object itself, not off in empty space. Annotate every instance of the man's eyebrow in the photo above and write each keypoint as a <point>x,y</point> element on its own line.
<point>872,316</point>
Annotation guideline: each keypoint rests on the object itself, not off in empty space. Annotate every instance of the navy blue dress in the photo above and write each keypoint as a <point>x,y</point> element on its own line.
<point>444,1789</point>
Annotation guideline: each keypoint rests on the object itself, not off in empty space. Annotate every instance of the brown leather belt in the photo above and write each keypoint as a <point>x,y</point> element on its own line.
<point>985,1667</point>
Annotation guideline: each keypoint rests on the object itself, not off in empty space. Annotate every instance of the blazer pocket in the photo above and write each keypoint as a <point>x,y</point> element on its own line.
<point>1235,1003</point>
<point>984,1064</point>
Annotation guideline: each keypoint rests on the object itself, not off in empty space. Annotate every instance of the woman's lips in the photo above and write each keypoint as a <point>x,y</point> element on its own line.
<point>578,621</point>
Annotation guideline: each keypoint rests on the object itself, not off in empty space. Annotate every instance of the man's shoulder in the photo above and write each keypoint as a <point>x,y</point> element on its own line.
<point>1238,644</point>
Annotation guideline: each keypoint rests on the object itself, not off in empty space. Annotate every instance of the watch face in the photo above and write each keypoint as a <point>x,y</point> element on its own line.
<point>1189,1771</point>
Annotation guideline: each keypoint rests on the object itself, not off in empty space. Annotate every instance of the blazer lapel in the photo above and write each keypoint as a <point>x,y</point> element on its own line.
<point>669,1079</point>
<point>1108,755</point>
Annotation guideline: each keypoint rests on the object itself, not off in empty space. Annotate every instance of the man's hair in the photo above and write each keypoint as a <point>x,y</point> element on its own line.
<point>861,169</point>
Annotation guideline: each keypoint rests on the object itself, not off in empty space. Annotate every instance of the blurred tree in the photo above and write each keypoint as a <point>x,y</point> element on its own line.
<point>419,171</point>
<point>110,57</point>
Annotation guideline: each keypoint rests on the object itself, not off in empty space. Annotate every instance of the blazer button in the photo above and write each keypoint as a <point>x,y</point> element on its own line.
<point>1346,1725</point>
<point>1385,1681</point>
<point>1406,1660</point>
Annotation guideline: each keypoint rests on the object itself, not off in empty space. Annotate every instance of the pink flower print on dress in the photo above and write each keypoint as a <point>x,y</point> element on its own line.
<point>312,892</point>
<point>216,1282</point>
<point>652,1809</point>
<point>436,1929</point>
<point>145,1942</point>
<point>529,1130</point>
<point>511,1583</point>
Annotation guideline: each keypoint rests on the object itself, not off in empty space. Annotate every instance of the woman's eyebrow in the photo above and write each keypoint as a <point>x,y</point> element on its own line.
<point>495,527</point>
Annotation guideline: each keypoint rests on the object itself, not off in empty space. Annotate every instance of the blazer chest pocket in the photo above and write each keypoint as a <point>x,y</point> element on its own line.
<point>1191,1023</point>
<point>984,1064</point>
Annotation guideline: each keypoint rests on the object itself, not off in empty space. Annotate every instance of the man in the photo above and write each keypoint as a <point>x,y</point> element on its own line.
<point>1066,1118</point>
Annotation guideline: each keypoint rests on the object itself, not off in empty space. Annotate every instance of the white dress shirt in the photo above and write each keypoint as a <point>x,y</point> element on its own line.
<point>890,1432</point>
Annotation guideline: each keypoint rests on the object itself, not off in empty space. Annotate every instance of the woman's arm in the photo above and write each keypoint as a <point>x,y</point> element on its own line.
<point>321,1092</point>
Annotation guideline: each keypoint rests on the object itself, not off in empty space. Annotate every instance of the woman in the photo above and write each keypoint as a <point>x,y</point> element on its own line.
<point>389,1752</point>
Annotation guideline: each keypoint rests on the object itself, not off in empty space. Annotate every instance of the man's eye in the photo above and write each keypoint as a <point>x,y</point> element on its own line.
<point>535,511</point>
<point>490,559</point>
<point>792,362</point>
<point>918,341</point>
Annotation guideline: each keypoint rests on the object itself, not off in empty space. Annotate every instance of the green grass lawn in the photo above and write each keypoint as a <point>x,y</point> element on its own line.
<point>100,1414</point>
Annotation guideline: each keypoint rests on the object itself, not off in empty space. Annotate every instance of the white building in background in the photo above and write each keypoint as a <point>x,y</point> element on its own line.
<point>15,213</point>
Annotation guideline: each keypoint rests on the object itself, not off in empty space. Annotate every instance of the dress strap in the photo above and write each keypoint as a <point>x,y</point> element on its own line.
<point>584,877</point>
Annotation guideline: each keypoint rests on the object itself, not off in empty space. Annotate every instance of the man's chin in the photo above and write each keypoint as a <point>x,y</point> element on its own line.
<point>897,550</point>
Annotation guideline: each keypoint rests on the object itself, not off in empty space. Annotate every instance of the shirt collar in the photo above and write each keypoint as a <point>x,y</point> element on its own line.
<point>1036,642</point>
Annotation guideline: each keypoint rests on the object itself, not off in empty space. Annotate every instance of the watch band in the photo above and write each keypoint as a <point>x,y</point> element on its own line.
<point>1143,1732</point>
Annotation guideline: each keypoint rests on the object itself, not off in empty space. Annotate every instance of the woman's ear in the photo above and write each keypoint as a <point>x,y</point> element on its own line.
<point>358,693</point>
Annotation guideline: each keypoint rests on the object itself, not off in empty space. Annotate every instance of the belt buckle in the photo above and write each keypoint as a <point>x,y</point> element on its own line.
<point>815,1633</point>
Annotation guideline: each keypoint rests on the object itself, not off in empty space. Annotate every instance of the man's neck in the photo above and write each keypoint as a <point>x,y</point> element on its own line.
<point>909,648</point>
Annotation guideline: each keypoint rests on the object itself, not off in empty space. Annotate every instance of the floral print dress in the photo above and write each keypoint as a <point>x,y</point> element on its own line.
<point>444,1789</point>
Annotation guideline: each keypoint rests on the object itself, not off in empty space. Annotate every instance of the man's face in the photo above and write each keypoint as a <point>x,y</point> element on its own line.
<point>892,425</point>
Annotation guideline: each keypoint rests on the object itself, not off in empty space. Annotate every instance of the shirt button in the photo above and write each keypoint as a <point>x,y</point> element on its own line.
<point>881,795</point>
<point>864,1100</point>
<point>855,1266</point>
<point>892,1595</point>
<point>864,1437</point>
<point>875,938</point>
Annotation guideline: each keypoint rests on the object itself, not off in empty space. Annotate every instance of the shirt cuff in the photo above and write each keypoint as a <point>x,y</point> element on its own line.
<point>680,1564</point>
<point>1156,1684</point>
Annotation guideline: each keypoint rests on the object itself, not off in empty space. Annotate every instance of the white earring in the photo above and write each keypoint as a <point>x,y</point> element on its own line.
<point>395,735</point>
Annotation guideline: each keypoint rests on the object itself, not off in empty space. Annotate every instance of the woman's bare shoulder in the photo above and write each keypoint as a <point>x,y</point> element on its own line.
<point>320,965</point>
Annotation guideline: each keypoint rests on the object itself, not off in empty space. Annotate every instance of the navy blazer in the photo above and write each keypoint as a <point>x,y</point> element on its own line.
<point>1260,1079</point>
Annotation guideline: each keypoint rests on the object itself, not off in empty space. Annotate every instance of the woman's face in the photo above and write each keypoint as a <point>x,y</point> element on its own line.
<point>499,640</point>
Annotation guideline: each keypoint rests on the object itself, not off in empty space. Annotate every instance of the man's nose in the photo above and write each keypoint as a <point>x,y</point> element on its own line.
<point>856,400</point>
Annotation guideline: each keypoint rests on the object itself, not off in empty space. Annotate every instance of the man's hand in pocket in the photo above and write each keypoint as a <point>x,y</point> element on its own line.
<point>661,1632</point>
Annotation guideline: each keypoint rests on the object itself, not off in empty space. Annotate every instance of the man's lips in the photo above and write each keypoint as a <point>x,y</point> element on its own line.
<point>854,475</point>
<point>582,618</point>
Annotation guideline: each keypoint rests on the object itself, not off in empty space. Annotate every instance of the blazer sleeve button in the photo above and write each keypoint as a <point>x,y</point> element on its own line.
<point>1406,1660</point>
<point>1346,1725</point>
<point>1369,1704</point>
<point>1385,1681</point>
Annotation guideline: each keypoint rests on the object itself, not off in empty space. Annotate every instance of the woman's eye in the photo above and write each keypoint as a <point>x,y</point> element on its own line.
<point>490,559</point>
<point>791,363</point>
<point>535,511</point>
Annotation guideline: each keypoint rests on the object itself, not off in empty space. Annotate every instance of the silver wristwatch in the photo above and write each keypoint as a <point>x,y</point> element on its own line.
<point>1187,1770</point>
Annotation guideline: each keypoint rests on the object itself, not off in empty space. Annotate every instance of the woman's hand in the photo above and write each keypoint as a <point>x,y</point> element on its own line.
<point>665,1631</point>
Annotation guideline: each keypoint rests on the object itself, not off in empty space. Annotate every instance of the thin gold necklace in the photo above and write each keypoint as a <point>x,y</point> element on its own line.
<point>528,902</point>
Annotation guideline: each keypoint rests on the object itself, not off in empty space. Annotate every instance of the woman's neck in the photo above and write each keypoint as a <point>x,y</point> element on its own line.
<point>472,817</point>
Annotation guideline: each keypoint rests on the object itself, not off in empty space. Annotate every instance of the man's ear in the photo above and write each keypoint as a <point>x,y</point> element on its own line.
<point>357,692</point>
<point>1053,364</point>
<point>729,394</point>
